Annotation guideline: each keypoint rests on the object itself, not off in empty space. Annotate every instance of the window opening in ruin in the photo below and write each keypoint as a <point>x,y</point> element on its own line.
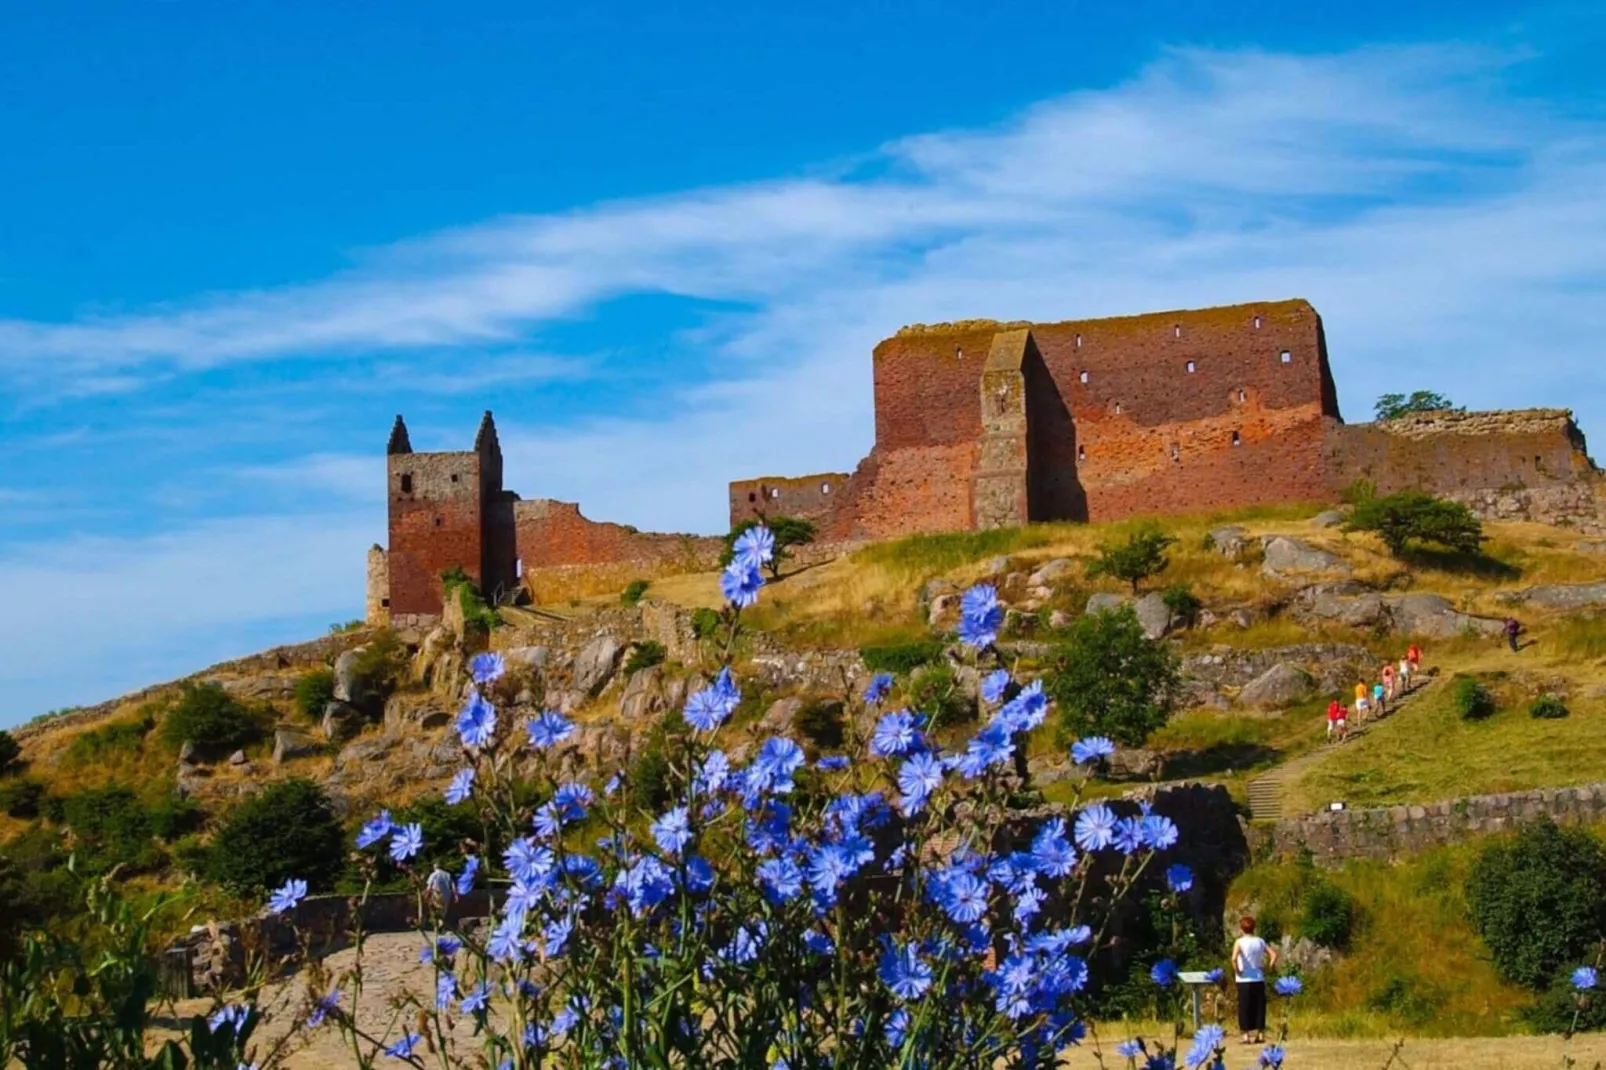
<point>1084,377</point>
<point>1191,367</point>
<point>775,492</point>
<point>1243,395</point>
<point>825,488</point>
<point>1176,452</point>
<point>385,602</point>
<point>1081,453</point>
<point>1117,408</point>
<point>437,521</point>
<point>752,497</point>
<point>1177,331</point>
<point>1257,323</point>
<point>959,354</point>
<point>518,567</point>
<point>1078,341</point>
<point>1288,358</point>
<point>407,483</point>
<point>1235,439</point>
<point>454,477</point>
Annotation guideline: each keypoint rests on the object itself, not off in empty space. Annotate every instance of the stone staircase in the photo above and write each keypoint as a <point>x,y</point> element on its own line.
<point>1266,790</point>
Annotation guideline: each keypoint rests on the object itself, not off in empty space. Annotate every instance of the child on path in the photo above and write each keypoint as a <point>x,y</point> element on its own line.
<point>1405,675</point>
<point>1336,721</point>
<point>1388,680</point>
<point>1377,699</point>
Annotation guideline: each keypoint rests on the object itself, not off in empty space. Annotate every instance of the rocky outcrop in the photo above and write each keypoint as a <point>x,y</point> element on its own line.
<point>1151,610</point>
<point>1563,596</point>
<point>1433,617</point>
<point>1278,687</point>
<point>1345,602</point>
<point>1050,571</point>
<point>341,722</point>
<point>596,663</point>
<point>1229,541</point>
<point>290,744</point>
<point>1285,555</point>
<point>1328,518</point>
<point>1355,605</point>
<point>1223,668</point>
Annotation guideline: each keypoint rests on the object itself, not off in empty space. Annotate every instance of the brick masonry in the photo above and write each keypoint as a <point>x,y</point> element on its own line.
<point>1400,830</point>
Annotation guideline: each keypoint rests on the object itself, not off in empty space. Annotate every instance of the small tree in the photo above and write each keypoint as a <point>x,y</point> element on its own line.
<point>10,751</point>
<point>789,531</point>
<point>1141,556</point>
<point>1412,516</point>
<point>289,830</point>
<point>210,717</point>
<point>314,691</point>
<point>1393,406</point>
<point>1110,679</point>
<point>1539,901</point>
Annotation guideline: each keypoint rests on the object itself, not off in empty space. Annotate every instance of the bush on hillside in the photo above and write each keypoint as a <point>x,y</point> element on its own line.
<point>1110,679</point>
<point>121,737</point>
<point>1547,707</point>
<point>1470,699</point>
<point>1327,916</point>
<point>1141,556</point>
<point>455,583</point>
<point>644,655</point>
<point>174,816</point>
<point>380,665</point>
<point>900,658</point>
<point>21,797</point>
<point>704,622</point>
<point>1539,901</point>
<point>289,830</point>
<point>634,591</point>
<point>1393,406</point>
<point>789,531</point>
<point>110,827</point>
<point>10,751</point>
<point>1182,602</point>
<point>211,718</point>
<point>314,691</point>
<point>1414,517</point>
<point>934,691</point>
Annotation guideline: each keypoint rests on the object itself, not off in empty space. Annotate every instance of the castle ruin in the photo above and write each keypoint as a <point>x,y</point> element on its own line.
<point>982,424</point>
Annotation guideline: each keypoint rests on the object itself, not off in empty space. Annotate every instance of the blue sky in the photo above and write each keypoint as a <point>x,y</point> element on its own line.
<point>660,240</point>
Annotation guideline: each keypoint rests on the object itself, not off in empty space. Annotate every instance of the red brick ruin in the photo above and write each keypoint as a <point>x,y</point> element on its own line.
<point>982,424</point>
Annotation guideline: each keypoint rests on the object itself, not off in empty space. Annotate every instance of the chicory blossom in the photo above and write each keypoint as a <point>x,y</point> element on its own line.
<point>1095,828</point>
<point>375,830</point>
<point>672,831</point>
<point>287,896</point>
<point>740,583</point>
<point>477,997</point>
<point>980,616</point>
<point>407,842</point>
<point>1092,749</point>
<point>772,770</point>
<point>476,722</point>
<point>549,728</point>
<point>1585,978</point>
<point>487,667</point>
<point>919,776</point>
<point>1164,973</point>
<point>1205,1044</point>
<point>461,787</point>
<point>880,684</point>
<point>707,709</point>
<point>1271,1058</point>
<point>894,735</point>
<point>905,973</point>
<point>994,685</point>
<point>403,1048</point>
<point>323,1008</point>
<point>1179,877</point>
<point>1158,832</point>
<point>234,1015</point>
<point>832,763</point>
<point>1289,985</point>
<point>755,546</point>
<point>465,879</point>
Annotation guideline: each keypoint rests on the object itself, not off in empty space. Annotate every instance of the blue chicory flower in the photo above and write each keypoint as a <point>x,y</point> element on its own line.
<point>1289,986</point>
<point>1092,749</point>
<point>994,686</point>
<point>755,546</point>
<point>740,583</point>
<point>905,973</point>
<point>375,830</point>
<point>1585,978</point>
<point>1095,828</point>
<point>403,1048</point>
<point>1178,877</point>
<point>476,722</point>
<point>486,668</point>
<point>980,616</point>
<point>1164,973</point>
<point>672,831</point>
<point>287,896</point>
<point>549,728</point>
<point>465,879</point>
<point>461,787</point>
<point>407,841</point>
<point>880,684</point>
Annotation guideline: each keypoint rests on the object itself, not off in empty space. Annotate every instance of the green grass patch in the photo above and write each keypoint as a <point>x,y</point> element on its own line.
<point>119,737</point>
<point>930,555</point>
<point>1582,637</point>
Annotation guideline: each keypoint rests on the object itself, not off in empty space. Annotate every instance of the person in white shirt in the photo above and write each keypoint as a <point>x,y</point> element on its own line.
<point>439,889</point>
<point>1252,957</point>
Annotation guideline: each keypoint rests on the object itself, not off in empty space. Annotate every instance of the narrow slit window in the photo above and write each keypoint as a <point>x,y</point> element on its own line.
<point>1081,453</point>
<point>1078,341</point>
<point>1192,367</point>
<point>1084,377</point>
<point>454,477</point>
<point>1287,357</point>
<point>1117,408</point>
<point>1176,332</point>
<point>775,492</point>
<point>752,497</point>
<point>385,602</point>
<point>959,354</point>
<point>825,488</point>
<point>1243,395</point>
<point>1257,323</point>
<point>1237,440</point>
<point>407,482</point>
<point>1176,452</point>
<point>437,521</point>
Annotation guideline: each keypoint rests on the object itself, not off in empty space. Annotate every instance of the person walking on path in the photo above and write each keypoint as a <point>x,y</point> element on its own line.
<point>1378,699</point>
<point>1337,723</point>
<point>1405,675</point>
<point>1389,681</point>
<point>1360,703</point>
<point>1414,656</point>
<point>440,891</point>
<point>1513,629</point>
<point>1251,958</point>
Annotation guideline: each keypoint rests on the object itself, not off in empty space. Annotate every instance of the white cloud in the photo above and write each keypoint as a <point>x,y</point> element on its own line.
<point>1449,230</point>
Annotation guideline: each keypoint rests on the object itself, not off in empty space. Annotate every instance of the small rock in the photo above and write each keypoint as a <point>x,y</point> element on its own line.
<point>997,566</point>
<point>1285,555</point>
<point>348,688</point>
<point>186,752</point>
<point>289,744</point>
<point>1229,541</point>
<point>942,607</point>
<point>643,694</point>
<point>1241,618</point>
<point>931,590</point>
<point>341,722</point>
<point>1328,518</point>
<point>1105,602</point>
<point>597,663</point>
<point>1155,615</point>
<point>530,657</point>
<point>1050,571</point>
<point>238,758</point>
<point>1282,685</point>
<point>1039,592</point>
<point>777,719</point>
<point>1059,619</point>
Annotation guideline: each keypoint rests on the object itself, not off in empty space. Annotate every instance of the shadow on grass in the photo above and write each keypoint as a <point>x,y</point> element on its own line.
<point>1462,564</point>
<point>1220,758</point>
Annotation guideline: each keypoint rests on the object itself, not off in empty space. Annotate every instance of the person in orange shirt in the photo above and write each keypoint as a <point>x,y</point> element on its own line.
<point>1414,655</point>
<point>1360,701</point>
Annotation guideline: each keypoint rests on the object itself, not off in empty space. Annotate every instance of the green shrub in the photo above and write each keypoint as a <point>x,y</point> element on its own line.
<point>934,690</point>
<point>118,738</point>
<point>1141,556</point>
<point>476,614</point>
<point>634,591</point>
<point>704,622</point>
<point>10,751</point>
<point>21,797</point>
<point>1470,699</point>
<point>644,655</point>
<point>445,828</point>
<point>1327,916</point>
<point>175,815</point>
<point>1393,406</point>
<point>1182,602</point>
<point>110,827</point>
<point>347,627</point>
<point>1358,491</point>
<point>379,667</point>
<point>211,718</point>
<point>1412,516</point>
<point>314,691</point>
<point>933,555</point>
<point>1110,679</point>
<point>1539,901</point>
<point>651,777</point>
<point>1407,997</point>
<point>789,531</point>
<point>1548,707</point>
<point>820,723</point>
<point>901,657</point>
<point>289,830</point>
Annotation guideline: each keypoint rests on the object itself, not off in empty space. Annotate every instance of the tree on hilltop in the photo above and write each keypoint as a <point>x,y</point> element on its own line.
<point>1141,556</point>
<point>1412,516</point>
<point>1393,406</point>
<point>789,531</point>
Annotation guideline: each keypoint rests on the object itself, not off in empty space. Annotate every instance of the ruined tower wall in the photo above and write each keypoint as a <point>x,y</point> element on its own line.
<point>436,523</point>
<point>564,555</point>
<point>812,497</point>
<point>377,588</point>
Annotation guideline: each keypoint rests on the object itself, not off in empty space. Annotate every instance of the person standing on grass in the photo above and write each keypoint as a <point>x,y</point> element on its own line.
<point>1251,958</point>
<point>1337,723</point>
<point>1405,675</point>
<point>1513,629</point>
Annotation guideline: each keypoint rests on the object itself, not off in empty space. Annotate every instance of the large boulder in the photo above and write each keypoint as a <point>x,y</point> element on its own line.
<point>348,686</point>
<point>777,720</point>
<point>1285,555</point>
<point>341,721</point>
<point>1228,541</point>
<point>1344,602</point>
<point>1105,602</point>
<point>1282,685</point>
<point>1328,518</point>
<point>1155,616</point>
<point>1432,616</point>
<point>289,744</point>
<point>643,694</point>
<point>1050,571</point>
<point>596,663</point>
<point>1560,596</point>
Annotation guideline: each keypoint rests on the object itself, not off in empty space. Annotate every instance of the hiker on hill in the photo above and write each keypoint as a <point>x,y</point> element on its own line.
<point>1414,656</point>
<point>1251,958</point>
<point>1336,721</point>
<point>1405,675</point>
<point>1361,704</point>
<point>1389,681</point>
<point>1513,629</point>
<point>1378,701</point>
<point>439,890</point>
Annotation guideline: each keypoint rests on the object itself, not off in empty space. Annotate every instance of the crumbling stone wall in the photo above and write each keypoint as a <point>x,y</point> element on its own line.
<point>1332,837</point>
<point>376,601</point>
<point>812,497</point>
<point>563,554</point>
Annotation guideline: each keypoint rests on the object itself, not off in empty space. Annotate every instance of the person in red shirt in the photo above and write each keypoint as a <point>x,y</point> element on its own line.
<point>1414,656</point>
<point>1336,721</point>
